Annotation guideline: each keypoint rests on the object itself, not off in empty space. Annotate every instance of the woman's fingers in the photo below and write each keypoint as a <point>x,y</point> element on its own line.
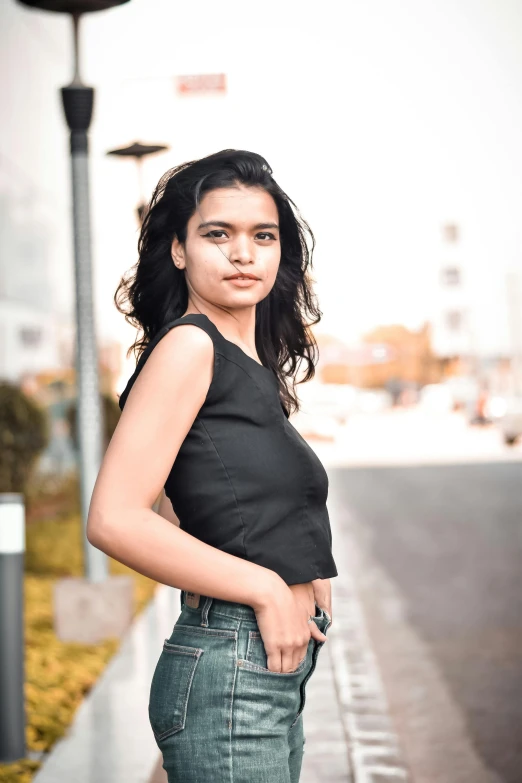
<point>292,659</point>
<point>322,589</point>
<point>286,632</point>
<point>286,661</point>
<point>316,633</point>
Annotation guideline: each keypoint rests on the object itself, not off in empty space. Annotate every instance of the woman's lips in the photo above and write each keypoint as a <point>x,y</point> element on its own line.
<point>244,282</point>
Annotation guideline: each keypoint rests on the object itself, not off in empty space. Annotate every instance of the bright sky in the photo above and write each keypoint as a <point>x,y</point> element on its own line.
<point>382,119</point>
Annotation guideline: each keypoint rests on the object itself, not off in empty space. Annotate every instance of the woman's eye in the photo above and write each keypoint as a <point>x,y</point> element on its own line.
<point>216,234</point>
<point>265,235</point>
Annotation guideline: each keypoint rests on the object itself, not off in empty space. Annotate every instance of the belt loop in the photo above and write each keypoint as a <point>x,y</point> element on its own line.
<point>204,611</point>
<point>181,598</point>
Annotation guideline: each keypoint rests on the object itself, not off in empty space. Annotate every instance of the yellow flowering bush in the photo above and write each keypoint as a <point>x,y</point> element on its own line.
<point>58,675</point>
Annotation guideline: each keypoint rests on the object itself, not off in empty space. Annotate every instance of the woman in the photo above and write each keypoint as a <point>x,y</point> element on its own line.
<point>223,253</point>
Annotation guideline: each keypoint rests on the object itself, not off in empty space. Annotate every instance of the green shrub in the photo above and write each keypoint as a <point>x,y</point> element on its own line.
<point>110,412</point>
<point>24,434</point>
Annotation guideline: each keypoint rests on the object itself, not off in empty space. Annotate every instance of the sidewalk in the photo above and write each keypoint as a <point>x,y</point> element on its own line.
<point>110,739</point>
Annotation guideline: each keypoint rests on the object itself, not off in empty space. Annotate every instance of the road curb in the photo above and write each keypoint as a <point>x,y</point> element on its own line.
<point>374,752</point>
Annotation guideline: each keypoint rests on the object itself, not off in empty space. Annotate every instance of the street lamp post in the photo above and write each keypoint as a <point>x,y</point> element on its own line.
<point>78,101</point>
<point>138,151</point>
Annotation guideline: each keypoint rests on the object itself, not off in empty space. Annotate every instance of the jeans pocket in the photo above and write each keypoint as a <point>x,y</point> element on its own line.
<point>256,658</point>
<point>170,688</point>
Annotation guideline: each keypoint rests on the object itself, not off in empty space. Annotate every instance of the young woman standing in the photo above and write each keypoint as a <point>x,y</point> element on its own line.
<point>224,254</point>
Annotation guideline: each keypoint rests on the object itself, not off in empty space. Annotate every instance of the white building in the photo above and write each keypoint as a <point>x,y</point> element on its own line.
<point>35,286</point>
<point>452,322</point>
<point>28,340</point>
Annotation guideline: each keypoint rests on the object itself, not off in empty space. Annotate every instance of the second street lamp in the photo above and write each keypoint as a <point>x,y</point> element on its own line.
<point>138,151</point>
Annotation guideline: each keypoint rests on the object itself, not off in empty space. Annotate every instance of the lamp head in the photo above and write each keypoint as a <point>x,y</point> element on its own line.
<point>138,150</point>
<point>72,6</point>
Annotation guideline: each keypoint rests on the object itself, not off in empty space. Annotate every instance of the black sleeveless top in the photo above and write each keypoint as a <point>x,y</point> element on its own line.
<point>244,480</point>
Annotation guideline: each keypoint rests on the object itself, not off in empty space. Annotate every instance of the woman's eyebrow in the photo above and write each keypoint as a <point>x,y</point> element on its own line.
<point>223,224</point>
<point>219,223</point>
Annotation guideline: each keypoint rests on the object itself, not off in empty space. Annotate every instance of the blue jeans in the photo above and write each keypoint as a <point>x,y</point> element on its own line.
<point>218,714</point>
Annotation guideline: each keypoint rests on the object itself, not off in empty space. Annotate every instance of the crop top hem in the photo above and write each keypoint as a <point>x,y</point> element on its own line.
<point>317,573</point>
<point>294,573</point>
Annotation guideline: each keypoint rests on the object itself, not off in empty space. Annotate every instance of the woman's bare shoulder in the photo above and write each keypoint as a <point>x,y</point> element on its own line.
<point>184,356</point>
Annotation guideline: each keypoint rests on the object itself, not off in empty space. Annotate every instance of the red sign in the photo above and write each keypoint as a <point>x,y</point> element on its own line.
<point>201,82</point>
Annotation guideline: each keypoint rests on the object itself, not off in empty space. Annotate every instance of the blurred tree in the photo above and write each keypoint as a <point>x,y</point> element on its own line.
<point>111,415</point>
<point>24,434</point>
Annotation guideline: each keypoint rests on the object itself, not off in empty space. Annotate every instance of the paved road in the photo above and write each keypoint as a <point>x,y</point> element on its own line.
<point>437,553</point>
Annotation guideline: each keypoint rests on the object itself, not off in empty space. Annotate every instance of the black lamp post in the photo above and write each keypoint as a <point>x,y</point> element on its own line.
<point>138,151</point>
<point>78,101</point>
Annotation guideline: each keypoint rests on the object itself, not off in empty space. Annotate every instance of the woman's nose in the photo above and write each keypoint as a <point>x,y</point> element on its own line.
<point>242,251</point>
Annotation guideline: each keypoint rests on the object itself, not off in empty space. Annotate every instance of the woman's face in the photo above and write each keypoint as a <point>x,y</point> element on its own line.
<point>236,230</point>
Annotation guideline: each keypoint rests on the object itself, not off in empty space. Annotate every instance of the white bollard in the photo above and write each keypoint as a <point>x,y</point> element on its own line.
<point>12,703</point>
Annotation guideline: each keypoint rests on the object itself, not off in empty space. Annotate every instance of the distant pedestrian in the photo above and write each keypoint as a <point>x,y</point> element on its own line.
<point>243,528</point>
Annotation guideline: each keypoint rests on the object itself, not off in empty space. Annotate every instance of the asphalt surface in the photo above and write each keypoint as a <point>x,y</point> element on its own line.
<point>440,572</point>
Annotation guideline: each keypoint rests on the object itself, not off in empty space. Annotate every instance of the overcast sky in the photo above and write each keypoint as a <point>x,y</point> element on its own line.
<point>382,119</point>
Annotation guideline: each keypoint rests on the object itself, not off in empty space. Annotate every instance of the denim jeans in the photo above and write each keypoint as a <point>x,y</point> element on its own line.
<point>218,714</point>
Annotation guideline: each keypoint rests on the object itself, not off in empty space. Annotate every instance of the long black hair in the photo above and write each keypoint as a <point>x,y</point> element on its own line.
<point>155,292</point>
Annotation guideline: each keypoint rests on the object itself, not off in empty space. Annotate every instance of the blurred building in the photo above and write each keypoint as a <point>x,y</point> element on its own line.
<point>36,280</point>
<point>452,334</point>
<point>467,337</point>
<point>387,354</point>
<point>28,323</point>
<point>28,340</point>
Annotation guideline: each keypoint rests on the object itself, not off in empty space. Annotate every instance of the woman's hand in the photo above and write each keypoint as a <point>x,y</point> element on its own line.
<point>323,594</point>
<point>285,630</point>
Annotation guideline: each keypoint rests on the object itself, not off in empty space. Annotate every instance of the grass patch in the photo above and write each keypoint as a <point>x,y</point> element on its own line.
<point>58,675</point>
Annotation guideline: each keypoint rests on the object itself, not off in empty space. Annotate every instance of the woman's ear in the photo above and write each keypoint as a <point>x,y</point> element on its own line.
<point>178,254</point>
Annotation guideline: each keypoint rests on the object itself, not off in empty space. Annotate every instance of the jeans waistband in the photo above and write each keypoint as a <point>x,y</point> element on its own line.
<point>203,604</point>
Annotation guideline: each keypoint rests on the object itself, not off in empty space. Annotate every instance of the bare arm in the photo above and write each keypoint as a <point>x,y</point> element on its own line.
<point>158,414</point>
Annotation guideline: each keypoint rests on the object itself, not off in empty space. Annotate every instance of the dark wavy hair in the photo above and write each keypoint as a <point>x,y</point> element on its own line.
<point>154,291</point>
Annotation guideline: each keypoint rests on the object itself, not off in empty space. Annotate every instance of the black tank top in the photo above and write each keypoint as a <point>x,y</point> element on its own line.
<point>244,480</point>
